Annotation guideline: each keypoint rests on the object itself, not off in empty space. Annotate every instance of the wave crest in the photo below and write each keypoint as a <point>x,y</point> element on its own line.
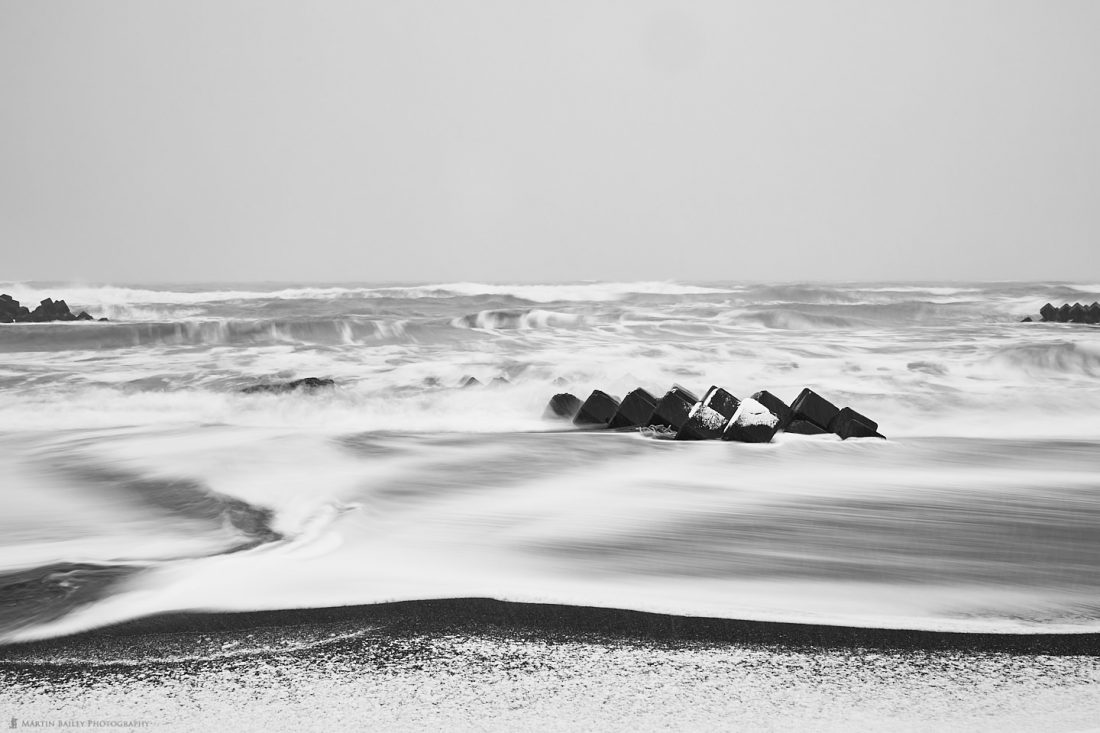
<point>517,319</point>
<point>209,332</point>
<point>1057,358</point>
<point>108,297</point>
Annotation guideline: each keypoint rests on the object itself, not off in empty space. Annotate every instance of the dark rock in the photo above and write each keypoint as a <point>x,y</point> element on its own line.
<point>850,424</point>
<point>672,409</point>
<point>48,310</point>
<point>804,427</point>
<point>811,406</point>
<point>308,384</point>
<point>1048,312</point>
<point>470,382</point>
<point>562,406</point>
<point>708,419</point>
<point>752,423</point>
<point>777,406</point>
<point>635,410</point>
<point>311,383</point>
<point>1027,319</point>
<point>598,409</point>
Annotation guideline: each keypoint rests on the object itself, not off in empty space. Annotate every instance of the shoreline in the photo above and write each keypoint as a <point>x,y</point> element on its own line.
<point>493,618</point>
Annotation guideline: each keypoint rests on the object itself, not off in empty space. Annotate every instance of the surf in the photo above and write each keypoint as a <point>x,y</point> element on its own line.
<point>143,479</point>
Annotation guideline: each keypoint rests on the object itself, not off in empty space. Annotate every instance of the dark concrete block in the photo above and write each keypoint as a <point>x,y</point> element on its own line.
<point>849,414</point>
<point>703,423</point>
<point>778,407</point>
<point>721,401</point>
<point>83,316</point>
<point>598,409</point>
<point>562,406</point>
<point>1077,313</point>
<point>672,409</point>
<point>1027,319</point>
<point>1063,313</point>
<point>635,410</point>
<point>804,427</point>
<point>1048,312</point>
<point>1094,313</point>
<point>709,417</point>
<point>752,423</point>
<point>850,424</point>
<point>469,382</point>
<point>811,406</point>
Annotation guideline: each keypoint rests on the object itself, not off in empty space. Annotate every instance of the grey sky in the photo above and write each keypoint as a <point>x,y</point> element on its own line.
<point>463,140</point>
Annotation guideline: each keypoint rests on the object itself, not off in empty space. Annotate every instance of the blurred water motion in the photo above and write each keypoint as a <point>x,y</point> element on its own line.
<point>138,479</point>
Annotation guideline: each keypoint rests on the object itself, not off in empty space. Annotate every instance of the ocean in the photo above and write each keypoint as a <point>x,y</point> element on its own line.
<point>139,480</point>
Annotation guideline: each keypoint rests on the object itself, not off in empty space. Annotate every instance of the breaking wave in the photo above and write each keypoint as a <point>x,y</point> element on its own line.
<point>506,319</point>
<point>106,297</point>
<point>1057,358</point>
<point>208,332</point>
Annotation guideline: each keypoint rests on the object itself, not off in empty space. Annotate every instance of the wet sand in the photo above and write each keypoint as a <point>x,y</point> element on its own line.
<point>475,664</point>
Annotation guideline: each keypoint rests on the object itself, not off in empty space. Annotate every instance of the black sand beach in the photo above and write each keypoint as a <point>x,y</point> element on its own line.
<point>479,664</point>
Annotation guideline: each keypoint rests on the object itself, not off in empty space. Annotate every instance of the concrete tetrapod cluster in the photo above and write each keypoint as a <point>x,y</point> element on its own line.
<point>1075,313</point>
<point>717,416</point>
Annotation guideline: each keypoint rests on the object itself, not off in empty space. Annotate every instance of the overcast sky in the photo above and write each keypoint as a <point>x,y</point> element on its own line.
<point>496,141</point>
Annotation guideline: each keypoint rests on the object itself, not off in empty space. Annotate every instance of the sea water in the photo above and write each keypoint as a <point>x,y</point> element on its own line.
<point>138,479</point>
